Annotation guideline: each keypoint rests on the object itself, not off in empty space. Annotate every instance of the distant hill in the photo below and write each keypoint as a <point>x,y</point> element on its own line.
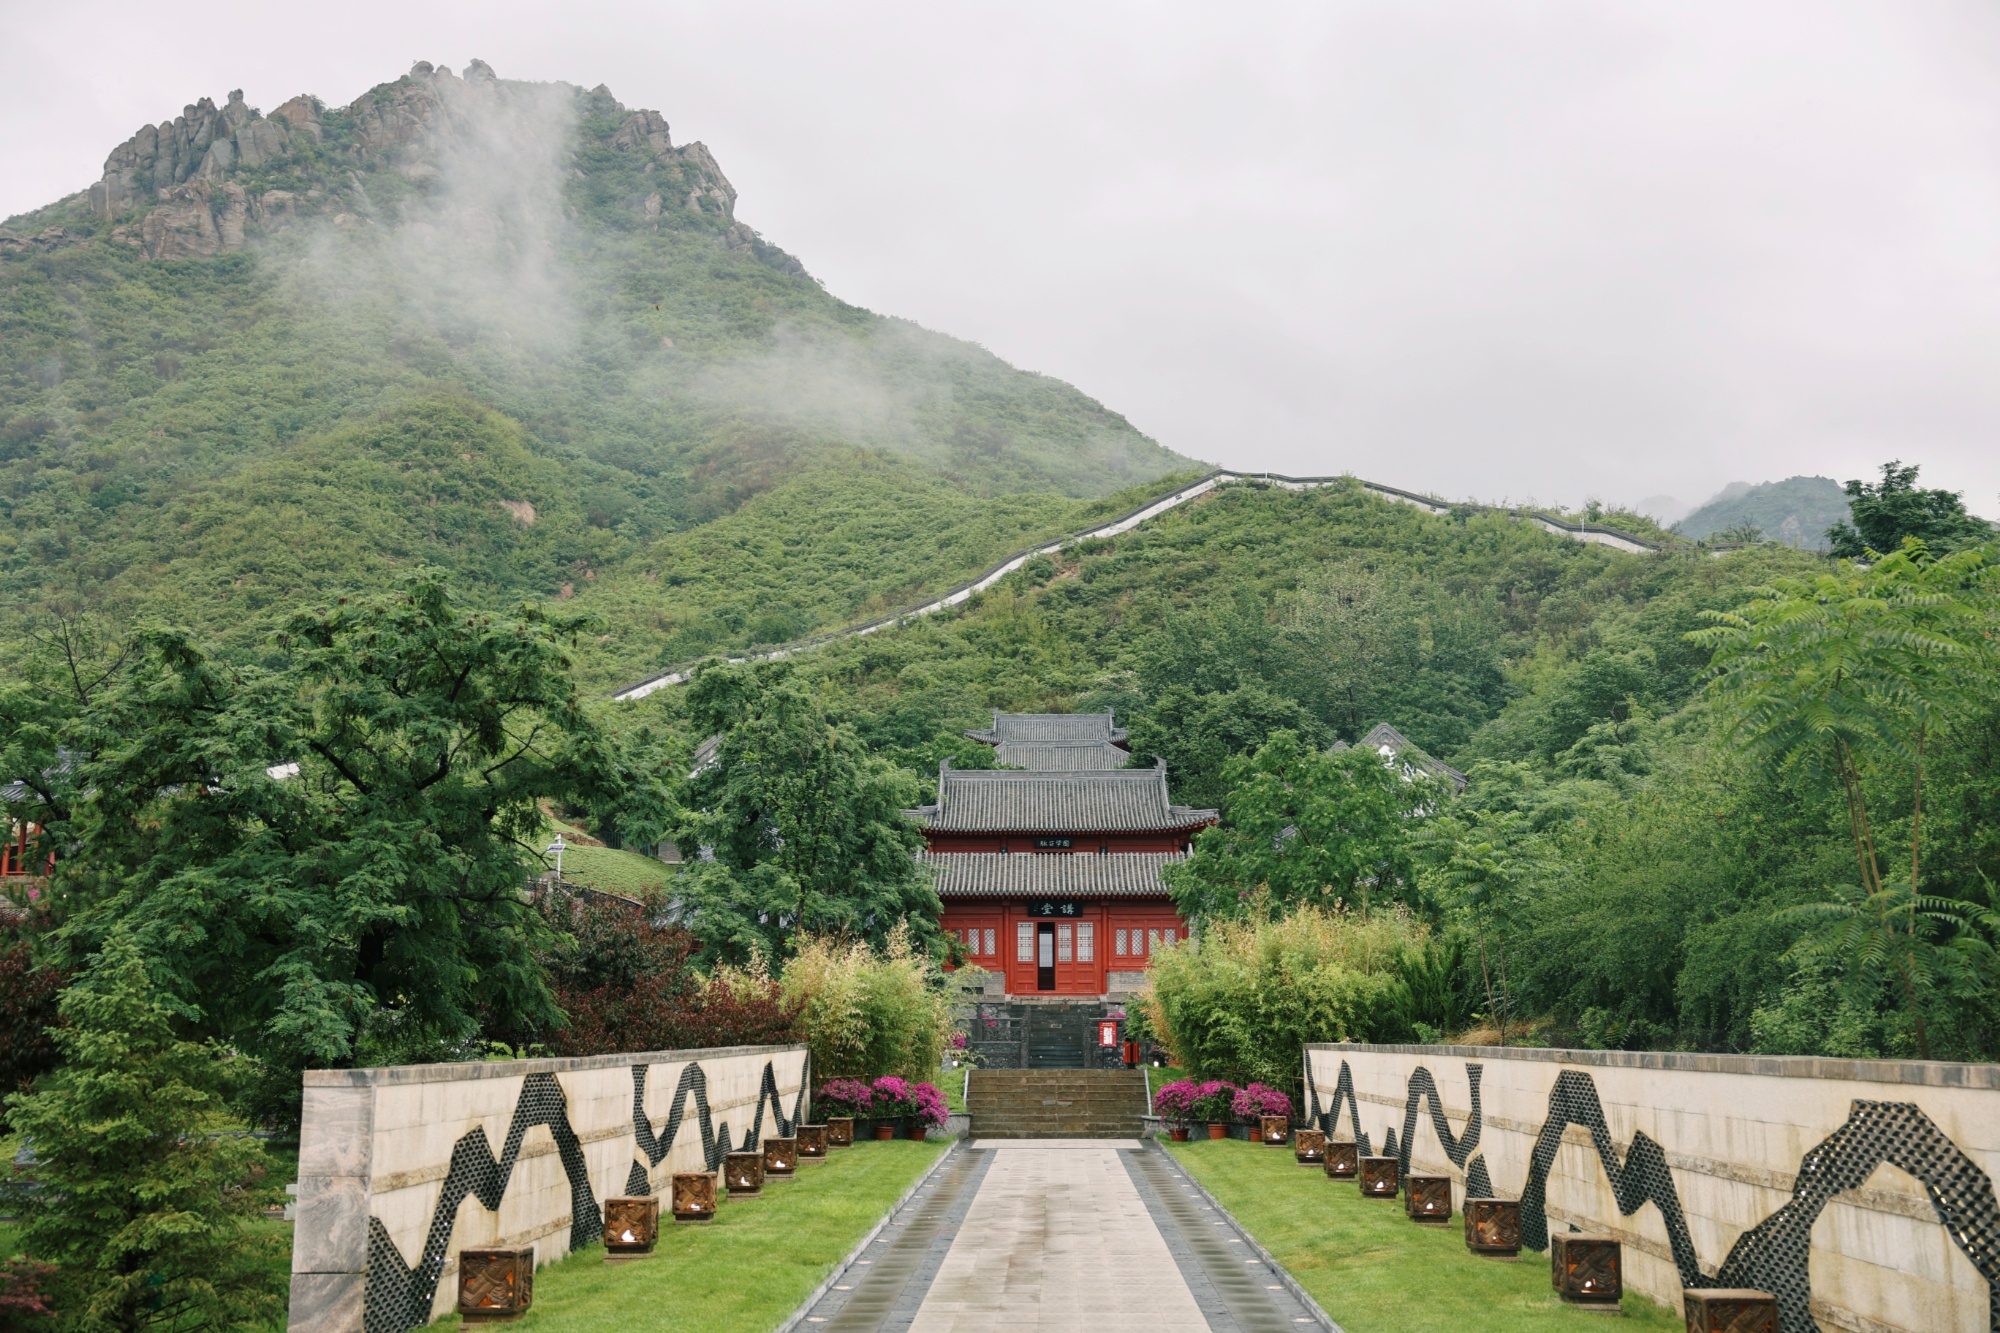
<point>509,328</point>
<point>1796,511</point>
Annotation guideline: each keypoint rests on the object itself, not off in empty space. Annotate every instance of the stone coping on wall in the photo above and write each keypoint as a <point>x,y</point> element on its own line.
<point>392,1075</point>
<point>1925,1073</point>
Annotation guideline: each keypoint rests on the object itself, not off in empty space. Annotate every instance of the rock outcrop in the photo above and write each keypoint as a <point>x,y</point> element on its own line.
<point>214,178</point>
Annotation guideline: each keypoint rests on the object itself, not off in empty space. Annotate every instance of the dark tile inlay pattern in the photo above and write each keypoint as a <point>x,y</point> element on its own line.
<point>887,1284</point>
<point>1236,1289</point>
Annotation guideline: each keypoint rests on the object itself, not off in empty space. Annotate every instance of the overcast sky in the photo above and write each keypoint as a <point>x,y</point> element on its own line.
<point>1531,250</point>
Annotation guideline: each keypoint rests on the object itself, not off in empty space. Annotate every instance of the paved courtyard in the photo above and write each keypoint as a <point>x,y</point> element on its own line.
<point>1050,1236</point>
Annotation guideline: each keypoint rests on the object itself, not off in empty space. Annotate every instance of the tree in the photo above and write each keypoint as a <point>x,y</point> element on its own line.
<point>805,827</point>
<point>1885,514</point>
<point>1306,825</point>
<point>1848,673</point>
<point>142,1203</point>
<point>28,996</point>
<point>332,853</point>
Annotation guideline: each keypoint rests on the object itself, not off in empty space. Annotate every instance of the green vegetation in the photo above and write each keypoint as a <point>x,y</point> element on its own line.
<point>1373,1269</point>
<point>865,1013</point>
<point>1896,509</point>
<point>746,1270</point>
<point>1798,511</point>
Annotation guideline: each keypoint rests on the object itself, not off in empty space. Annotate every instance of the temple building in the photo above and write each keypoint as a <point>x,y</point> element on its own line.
<point>1049,871</point>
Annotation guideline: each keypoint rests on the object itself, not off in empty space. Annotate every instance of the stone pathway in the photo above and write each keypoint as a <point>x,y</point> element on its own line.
<point>1089,1236</point>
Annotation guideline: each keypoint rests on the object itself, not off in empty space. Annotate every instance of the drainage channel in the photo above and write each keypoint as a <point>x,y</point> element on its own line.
<point>881,1291</point>
<point>1238,1287</point>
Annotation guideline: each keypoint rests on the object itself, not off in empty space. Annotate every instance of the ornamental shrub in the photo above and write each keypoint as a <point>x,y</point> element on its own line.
<point>931,1111</point>
<point>1241,1000</point>
<point>844,1096</point>
<point>894,1097</point>
<point>864,1012</point>
<point>1175,1103</point>
<point>1257,1101</point>
<point>1214,1101</point>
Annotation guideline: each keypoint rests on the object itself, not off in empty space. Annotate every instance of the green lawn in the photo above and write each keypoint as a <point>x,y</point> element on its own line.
<point>1374,1270</point>
<point>746,1270</point>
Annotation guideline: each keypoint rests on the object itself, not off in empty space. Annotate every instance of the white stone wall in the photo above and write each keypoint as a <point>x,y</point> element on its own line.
<point>378,1143</point>
<point>1734,1130</point>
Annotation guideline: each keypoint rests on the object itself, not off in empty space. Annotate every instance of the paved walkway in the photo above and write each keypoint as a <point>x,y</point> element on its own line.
<point>1091,1236</point>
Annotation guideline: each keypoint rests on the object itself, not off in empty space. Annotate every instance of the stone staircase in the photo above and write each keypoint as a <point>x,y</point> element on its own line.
<point>1057,1103</point>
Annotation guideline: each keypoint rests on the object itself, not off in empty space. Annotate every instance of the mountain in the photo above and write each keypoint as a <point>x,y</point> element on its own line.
<point>1796,511</point>
<point>508,328</point>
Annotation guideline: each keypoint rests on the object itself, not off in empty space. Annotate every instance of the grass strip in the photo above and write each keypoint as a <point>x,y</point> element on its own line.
<point>743,1272</point>
<point>1373,1269</point>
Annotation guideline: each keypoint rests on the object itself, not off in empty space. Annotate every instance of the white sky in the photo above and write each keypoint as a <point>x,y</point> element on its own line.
<point>1503,250</point>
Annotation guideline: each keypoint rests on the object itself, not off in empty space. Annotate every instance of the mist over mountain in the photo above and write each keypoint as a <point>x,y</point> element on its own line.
<point>1796,511</point>
<point>510,328</point>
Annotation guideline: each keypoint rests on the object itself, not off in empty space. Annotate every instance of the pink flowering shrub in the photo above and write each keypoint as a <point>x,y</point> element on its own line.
<point>1175,1103</point>
<point>1214,1100</point>
<point>1258,1100</point>
<point>844,1096</point>
<point>894,1097</point>
<point>931,1111</point>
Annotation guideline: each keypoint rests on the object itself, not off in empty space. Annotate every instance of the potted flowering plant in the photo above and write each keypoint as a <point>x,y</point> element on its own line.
<point>1214,1102</point>
<point>1175,1104</point>
<point>895,1100</point>
<point>1268,1109</point>
<point>845,1098</point>
<point>931,1112</point>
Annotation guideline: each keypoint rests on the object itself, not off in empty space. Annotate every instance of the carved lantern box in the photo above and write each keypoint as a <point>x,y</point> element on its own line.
<point>743,1174</point>
<point>1274,1131</point>
<point>812,1143</point>
<point>694,1197</point>
<point>840,1131</point>
<point>1378,1178</point>
<point>1493,1226</point>
<point>1729,1310</point>
<point>495,1283</point>
<point>1427,1198</point>
<point>1309,1147</point>
<point>781,1158</point>
<point>1343,1160</point>
<point>631,1225</point>
<point>1586,1270</point>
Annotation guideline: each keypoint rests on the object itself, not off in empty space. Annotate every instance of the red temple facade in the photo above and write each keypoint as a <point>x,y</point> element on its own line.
<point>1049,871</point>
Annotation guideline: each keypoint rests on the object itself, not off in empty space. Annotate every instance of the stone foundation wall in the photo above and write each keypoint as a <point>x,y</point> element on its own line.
<point>1859,1191</point>
<point>400,1168</point>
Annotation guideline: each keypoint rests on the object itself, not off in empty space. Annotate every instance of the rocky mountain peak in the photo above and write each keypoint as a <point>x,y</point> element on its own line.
<point>214,178</point>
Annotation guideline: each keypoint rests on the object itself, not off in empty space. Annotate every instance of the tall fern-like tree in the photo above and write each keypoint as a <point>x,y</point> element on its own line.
<point>1844,676</point>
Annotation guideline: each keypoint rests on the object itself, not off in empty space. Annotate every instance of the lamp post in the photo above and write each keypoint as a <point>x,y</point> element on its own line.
<point>557,848</point>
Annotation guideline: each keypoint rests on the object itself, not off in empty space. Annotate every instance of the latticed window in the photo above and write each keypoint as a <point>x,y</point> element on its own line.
<point>1063,944</point>
<point>1086,942</point>
<point>991,948</point>
<point>1119,943</point>
<point>1024,942</point>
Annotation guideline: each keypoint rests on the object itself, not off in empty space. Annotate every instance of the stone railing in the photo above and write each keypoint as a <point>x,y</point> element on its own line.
<point>400,1168</point>
<point>1857,1191</point>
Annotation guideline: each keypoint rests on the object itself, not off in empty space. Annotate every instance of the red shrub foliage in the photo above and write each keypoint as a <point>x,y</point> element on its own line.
<point>624,980</point>
<point>27,1010</point>
<point>21,1297</point>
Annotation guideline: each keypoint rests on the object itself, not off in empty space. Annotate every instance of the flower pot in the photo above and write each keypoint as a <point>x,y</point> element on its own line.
<point>1218,1131</point>
<point>884,1131</point>
<point>917,1129</point>
<point>1178,1133</point>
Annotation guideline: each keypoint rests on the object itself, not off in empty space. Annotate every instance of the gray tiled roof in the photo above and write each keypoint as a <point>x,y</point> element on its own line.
<point>1387,741</point>
<point>1061,756</point>
<point>1003,801</point>
<point>1054,874</point>
<point>1072,728</point>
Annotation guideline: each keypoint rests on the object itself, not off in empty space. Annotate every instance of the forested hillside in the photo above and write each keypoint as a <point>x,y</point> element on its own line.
<point>507,329</point>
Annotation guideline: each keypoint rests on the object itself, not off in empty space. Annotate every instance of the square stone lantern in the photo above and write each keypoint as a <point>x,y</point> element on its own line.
<point>694,1196</point>
<point>1427,1198</point>
<point>1309,1147</point>
<point>495,1283</point>
<point>1729,1310</point>
<point>1274,1131</point>
<point>1343,1161</point>
<point>840,1131</point>
<point>1493,1227</point>
<point>743,1174</point>
<point>631,1225</point>
<point>812,1143</point>
<point>781,1158</point>
<point>1587,1270</point>
<point>1379,1177</point>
